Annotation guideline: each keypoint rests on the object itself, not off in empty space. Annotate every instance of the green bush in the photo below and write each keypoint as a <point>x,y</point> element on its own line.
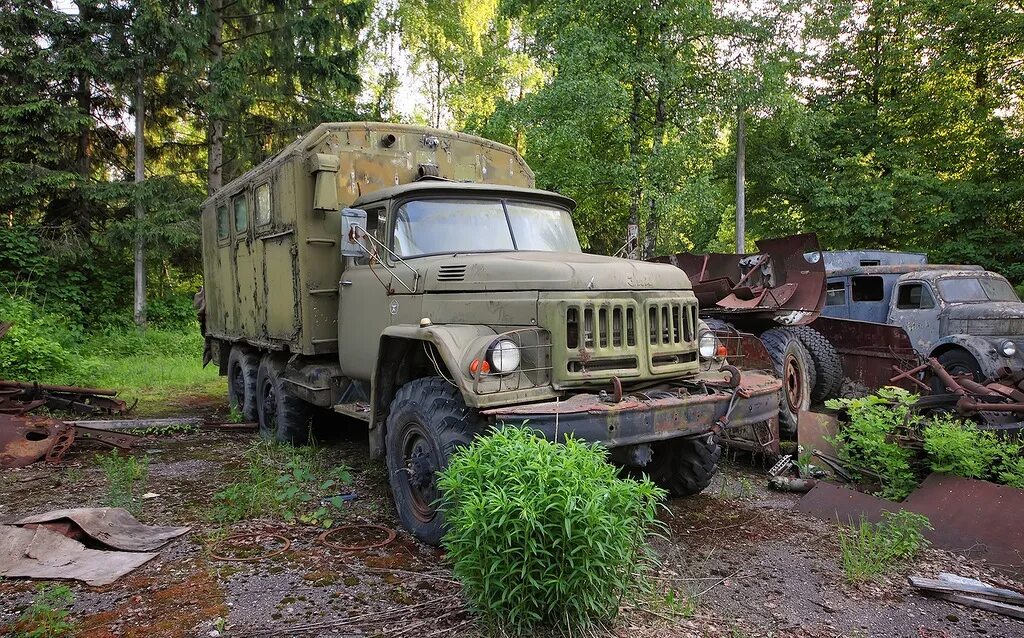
<point>543,533</point>
<point>869,550</point>
<point>959,447</point>
<point>38,345</point>
<point>865,441</point>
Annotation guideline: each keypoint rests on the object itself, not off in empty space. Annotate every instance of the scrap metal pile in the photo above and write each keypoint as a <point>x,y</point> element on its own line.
<point>26,438</point>
<point>996,404</point>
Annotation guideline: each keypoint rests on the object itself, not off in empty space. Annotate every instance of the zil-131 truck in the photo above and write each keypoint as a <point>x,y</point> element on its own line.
<point>415,279</point>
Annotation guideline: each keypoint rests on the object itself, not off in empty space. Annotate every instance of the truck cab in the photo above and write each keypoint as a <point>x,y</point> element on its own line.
<point>968,318</point>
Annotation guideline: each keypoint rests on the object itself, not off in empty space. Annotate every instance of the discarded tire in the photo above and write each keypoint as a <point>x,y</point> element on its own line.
<point>828,367</point>
<point>794,367</point>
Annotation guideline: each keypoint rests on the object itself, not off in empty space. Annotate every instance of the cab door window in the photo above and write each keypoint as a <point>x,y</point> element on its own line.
<point>835,293</point>
<point>914,296</point>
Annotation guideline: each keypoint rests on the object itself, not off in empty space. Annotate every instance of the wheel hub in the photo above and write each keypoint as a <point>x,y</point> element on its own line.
<point>791,372</point>
<point>421,469</point>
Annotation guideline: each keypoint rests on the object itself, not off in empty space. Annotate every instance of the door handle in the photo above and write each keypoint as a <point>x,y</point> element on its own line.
<point>346,282</point>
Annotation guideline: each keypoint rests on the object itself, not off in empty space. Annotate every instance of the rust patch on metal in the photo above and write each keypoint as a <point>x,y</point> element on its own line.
<point>869,350</point>
<point>25,440</point>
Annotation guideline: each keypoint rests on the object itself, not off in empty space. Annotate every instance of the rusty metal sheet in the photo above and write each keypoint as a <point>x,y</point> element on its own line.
<point>26,439</point>
<point>814,429</point>
<point>974,517</point>
<point>42,553</point>
<point>834,502</point>
<point>113,526</point>
<point>869,351</point>
<point>784,282</point>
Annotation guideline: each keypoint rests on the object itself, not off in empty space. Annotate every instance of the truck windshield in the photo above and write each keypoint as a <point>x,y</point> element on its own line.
<point>975,289</point>
<point>441,226</point>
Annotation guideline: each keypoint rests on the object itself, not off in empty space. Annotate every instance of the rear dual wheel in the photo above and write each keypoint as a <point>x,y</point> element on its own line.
<point>282,417</point>
<point>243,367</point>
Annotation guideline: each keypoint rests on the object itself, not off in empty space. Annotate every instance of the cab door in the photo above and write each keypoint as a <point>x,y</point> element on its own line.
<point>364,308</point>
<point>914,308</point>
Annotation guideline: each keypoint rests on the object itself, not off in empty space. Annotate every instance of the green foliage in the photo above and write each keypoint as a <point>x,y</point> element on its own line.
<point>297,484</point>
<point>959,447</point>
<point>38,345</point>
<point>543,533</point>
<point>869,550</point>
<point>865,441</point>
<point>126,479</point>
<point>49,614</point>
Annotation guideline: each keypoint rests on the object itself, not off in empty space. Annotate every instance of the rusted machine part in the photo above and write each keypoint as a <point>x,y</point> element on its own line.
<point>61,444</point>
<point>18,397</point>
<point>966,395</point>
<point>869,351</point>
<point>285,544</point>
<point>783,283</point>
<point>26,439</point>
<point>389,535</point>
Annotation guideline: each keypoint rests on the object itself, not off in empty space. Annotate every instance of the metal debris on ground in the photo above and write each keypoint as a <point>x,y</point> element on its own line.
<point>971,517</point>
<point>972,593</point>
<point>25,439</point>
<point>285,545</point>
<point>113,526</point>
<point>999,402</point>
<point>43,553</point>
<point>19,397</point>
<point>359,532</point>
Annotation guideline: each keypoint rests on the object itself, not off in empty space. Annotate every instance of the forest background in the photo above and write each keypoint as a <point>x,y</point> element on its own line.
<point>891,124</point>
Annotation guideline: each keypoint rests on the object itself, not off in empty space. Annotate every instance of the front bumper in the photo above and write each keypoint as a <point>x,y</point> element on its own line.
<point>641,418</point>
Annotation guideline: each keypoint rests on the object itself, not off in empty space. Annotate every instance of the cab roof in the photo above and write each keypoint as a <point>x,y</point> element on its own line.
<point>432,187</point>
<point>923,271</point>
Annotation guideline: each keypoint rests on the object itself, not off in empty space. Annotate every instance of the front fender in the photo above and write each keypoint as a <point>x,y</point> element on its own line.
<point>985,351</point>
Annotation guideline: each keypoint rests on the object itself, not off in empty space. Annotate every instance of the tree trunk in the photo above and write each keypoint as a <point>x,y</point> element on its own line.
<point>83,154</point>
<point>657,139</point>
<point>633,229</point>
<point>140,210</point>
<point>741,178</point>
<point>215,131</point>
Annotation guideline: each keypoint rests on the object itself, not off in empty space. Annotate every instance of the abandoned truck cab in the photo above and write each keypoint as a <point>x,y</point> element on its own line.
<point>384,289</point>
<point>968,318</point>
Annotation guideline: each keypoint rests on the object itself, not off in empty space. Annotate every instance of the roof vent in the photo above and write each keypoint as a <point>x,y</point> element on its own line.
<point>451,273</point>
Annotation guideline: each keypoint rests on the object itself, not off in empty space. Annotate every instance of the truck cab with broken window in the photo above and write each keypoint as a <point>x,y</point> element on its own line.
<point>415,279</point>
<point>968,318</point>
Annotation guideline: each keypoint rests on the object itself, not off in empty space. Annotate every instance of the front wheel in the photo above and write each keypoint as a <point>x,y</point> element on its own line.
<point>684,467</point>
<point>428,421</point>
<point>957,363</point>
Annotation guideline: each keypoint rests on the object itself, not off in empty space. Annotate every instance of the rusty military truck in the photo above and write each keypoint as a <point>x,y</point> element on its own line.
<point>415,279</point>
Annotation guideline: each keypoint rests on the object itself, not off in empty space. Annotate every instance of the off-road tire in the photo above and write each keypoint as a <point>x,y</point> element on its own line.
<point>282,417</point>
<point>684,467</point>
<point>793,366</point>
<point>828,367</point>
<point>956,362</point>
<point>427,422</point>
<point>243,367</point>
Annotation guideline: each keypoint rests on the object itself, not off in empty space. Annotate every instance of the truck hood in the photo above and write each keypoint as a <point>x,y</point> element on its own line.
<point>533,270</point>
<point>986,310</point>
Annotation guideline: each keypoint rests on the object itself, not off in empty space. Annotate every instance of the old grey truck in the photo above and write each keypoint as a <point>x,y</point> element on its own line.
<point>415,279</point>
<point>969,318</point>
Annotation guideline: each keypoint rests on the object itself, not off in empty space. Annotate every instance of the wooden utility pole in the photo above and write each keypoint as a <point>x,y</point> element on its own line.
<point>741,175</point>
<point>140,209</point>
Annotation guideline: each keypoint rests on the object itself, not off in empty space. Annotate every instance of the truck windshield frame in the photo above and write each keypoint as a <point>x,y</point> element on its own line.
<point>976,290</point>
<point>452,224</point>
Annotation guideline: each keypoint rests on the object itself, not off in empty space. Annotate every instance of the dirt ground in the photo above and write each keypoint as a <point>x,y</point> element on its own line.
<point>749,563</point>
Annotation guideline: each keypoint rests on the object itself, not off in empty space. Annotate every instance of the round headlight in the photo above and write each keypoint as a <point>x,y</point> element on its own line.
<point>1009,348</point>
<point>708,344</point>
<point>505,356</point>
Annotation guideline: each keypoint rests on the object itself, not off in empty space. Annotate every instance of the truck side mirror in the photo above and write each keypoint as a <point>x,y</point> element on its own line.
<point>353,227</point>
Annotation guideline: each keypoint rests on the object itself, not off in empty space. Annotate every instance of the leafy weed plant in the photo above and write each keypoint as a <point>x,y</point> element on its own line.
<point>542,533</point>
<point>296,484</point>
<point>869,550</point>
<point>48,616</point>
<point>126,478</point>
<point>959,447</point>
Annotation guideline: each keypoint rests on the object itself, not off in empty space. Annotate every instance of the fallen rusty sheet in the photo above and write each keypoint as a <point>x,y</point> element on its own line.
<point>113,526</point>
<point>42,553</point>
<point>976,518</point>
